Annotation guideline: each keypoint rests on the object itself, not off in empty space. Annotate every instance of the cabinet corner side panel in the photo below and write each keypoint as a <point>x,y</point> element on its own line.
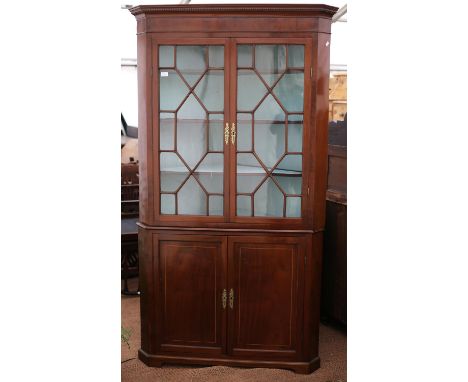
<point>313,272</point>
<point>145,254</point>
<point>144,128</point>
<point>321,129</point>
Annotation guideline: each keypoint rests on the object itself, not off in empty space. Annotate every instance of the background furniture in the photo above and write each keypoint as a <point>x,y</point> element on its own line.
<point>334,298</point>
<point>129,254</point>
<point>129,230</point>
<point>233,111</point>
<point>337,97</point>
<point>129,187</point>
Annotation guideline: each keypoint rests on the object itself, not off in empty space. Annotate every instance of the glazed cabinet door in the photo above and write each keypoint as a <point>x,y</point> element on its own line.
<point>265,296</point>
<point>191,106</point>
<point>190,294</point>
<point>270,104</point>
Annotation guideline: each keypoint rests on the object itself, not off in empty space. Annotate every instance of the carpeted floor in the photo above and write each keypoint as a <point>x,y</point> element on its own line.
<point>332,355</point>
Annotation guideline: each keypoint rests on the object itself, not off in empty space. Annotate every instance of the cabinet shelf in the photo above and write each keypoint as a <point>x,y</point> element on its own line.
<point>241,170</point>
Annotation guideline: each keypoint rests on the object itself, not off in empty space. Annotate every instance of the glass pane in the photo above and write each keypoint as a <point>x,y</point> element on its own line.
<point>216,56</point>
<point>213,182</point>
<point>293,207</point>
<point>173,172</point>
<point>290,184</point>
<point>191,199</point>
<point>210,90</point>
<point>167,204</point>
<point>216,132</point>
<point>269,132</point>
<point>244,205</point>
<point>172,90</point>
<point>269,110</point>
<point>216,205</point>
<point>247,183</point>
<point>270,61</point>
<point>249,173</point>
<point>192,129</point>
<point>295,127</point>
<point>295,56</point>
<point>166,56</point>
<point>248,164</point>
<point>250,90</point>
<point>210,173</point>
<point>288,174</point>
<point>212,163</point>
<point>291,164</point>
<point>191,62</point>
<point>166,131</point>
<point>244,56</point>
<point>244,132</point>
<point>269,200</point>
<point>290,91</point>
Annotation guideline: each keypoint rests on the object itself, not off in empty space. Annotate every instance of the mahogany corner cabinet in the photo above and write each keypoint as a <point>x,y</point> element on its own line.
<point>233,116</point>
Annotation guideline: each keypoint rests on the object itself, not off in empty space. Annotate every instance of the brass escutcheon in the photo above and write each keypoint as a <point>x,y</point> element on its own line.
<point>231,298</point>
<point>226,133</point>
<point>224,298</point>
<point>233,133</point>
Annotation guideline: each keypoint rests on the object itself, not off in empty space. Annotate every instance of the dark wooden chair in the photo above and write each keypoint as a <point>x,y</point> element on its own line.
<point>129,229</point>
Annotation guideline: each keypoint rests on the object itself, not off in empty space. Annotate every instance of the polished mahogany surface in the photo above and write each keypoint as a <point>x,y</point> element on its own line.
<point>191,280</point>
<point>268,282</point>
<point>233,112</point>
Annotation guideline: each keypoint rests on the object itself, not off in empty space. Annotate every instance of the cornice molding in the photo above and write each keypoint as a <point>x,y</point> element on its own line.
<point>284,9</point>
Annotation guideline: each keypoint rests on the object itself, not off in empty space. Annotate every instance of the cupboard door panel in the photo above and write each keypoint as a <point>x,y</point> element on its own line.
<point>191,280</point>
<point>266,275</point>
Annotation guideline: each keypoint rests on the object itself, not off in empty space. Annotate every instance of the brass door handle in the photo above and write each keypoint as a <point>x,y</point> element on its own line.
<point>226,133</point>
<point>231,298</point>
<point>224,298</point>
<point>233,133</point>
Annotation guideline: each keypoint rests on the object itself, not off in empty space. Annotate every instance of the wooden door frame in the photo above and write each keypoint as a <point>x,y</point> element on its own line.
<point>160,219</point>
<point>308,131</point>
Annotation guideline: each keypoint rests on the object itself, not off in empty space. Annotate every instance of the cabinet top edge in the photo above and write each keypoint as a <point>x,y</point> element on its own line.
<point>322,10</point>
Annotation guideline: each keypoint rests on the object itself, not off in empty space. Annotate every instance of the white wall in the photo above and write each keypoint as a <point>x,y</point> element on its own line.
<point>338,46</point>
<point>129,94</point>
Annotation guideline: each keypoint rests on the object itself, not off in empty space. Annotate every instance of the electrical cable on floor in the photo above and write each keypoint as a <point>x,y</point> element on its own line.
<point>128,360</point>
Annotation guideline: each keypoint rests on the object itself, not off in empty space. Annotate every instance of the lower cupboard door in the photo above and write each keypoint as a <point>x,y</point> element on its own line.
<point>266,300</point>
<point>191,279</point>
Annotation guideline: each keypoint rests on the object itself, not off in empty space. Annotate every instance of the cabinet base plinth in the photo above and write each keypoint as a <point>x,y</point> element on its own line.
<point>159,360</point>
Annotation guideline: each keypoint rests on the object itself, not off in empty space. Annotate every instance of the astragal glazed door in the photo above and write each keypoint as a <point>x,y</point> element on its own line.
<point>192,159</point>
<point>234,120</point>
<point>270,102</point>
